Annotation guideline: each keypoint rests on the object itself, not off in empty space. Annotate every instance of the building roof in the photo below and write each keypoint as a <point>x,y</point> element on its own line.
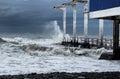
<point>105,9</point>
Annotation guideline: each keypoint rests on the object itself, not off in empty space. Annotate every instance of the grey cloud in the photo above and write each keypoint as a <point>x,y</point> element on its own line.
<point>30,16</point>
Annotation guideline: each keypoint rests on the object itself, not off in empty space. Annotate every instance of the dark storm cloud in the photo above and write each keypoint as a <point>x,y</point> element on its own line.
<point>26,15</point>
<point>32,15</point>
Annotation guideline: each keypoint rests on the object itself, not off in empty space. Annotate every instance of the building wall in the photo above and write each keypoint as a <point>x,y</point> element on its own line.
<point>96,5</point>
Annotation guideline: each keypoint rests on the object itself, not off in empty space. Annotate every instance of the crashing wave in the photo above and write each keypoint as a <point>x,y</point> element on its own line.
<point>39,50</point>
<point>42,46</point>
<point>2,41</point>
<point>94,53</point>
<point>35,47</point>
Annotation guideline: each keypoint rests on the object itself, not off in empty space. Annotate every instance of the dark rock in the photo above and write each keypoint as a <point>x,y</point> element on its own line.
<point>63,75</point>
<point>111,55</point>
<point>106,56</point>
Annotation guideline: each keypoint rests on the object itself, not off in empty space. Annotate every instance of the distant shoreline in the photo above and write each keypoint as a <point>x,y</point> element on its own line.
<point>63,75</point>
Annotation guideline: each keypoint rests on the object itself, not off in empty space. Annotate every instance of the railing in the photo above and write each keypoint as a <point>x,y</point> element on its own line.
<point>107,43</point>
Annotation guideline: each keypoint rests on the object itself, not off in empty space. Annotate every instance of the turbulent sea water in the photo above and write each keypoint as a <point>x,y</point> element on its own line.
<point>21,54</point>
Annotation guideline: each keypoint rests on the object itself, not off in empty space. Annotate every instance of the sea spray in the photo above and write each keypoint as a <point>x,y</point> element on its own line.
<point>42,56</point>
<point>54,30</point>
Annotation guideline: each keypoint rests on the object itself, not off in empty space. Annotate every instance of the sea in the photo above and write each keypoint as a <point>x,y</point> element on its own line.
<point>23,53</point>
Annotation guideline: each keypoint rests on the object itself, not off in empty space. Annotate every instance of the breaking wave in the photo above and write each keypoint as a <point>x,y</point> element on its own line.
<point>2,41</point>
<point>53,30</point>
<point>35,49</point>
<point>22,54</point>
<point>48,47</point>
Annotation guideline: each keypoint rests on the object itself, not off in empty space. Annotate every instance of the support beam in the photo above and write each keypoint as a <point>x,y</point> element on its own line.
<point>64,24</point>
<point>101,29</point>
<point>116,34</point>
<point>86,21</point>
<point>73,4</point>
<point>116,50</point>
<point>74,23</point>
<point>86,16</point>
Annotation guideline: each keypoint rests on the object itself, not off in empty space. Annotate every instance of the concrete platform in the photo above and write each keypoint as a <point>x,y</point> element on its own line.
<point>111,55</point>
<point>107,56</point>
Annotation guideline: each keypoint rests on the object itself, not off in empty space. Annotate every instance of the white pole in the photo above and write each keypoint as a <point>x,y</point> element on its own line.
<point>74,22</point>
<point>64,24</point>
<point>86,21</point>
<point>101,29</point>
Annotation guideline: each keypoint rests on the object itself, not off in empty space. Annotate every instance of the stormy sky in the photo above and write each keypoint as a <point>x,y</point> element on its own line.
<point>31,16</point>
<point>25,15</point>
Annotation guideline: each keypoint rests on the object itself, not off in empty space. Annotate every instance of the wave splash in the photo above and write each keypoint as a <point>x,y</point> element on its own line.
<point>54,30</point>
<point>43,55</point>
<point>65,51</point>
<point>48,47</point>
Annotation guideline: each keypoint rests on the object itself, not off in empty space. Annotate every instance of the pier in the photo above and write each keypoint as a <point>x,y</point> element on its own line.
<point>74,40</point>
<point>104,11</point>
<point>92,42</point>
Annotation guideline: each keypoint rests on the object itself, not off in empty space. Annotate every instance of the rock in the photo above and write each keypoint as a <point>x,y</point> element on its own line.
<point>57,75</point>
<point>106,56</point>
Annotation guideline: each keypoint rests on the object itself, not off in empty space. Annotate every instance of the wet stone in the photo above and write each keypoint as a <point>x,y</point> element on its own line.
<point>85,75</point>
<point>106,56</point>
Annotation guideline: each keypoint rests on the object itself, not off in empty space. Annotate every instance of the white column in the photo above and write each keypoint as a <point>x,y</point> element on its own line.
<point>64,24</point>
<point>101,29</point>
<point>86,21</point>
<point>74,22</point>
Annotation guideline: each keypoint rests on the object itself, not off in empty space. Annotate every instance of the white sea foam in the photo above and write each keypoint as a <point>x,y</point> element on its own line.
<point>29,57</point>
<point>25,55</point>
